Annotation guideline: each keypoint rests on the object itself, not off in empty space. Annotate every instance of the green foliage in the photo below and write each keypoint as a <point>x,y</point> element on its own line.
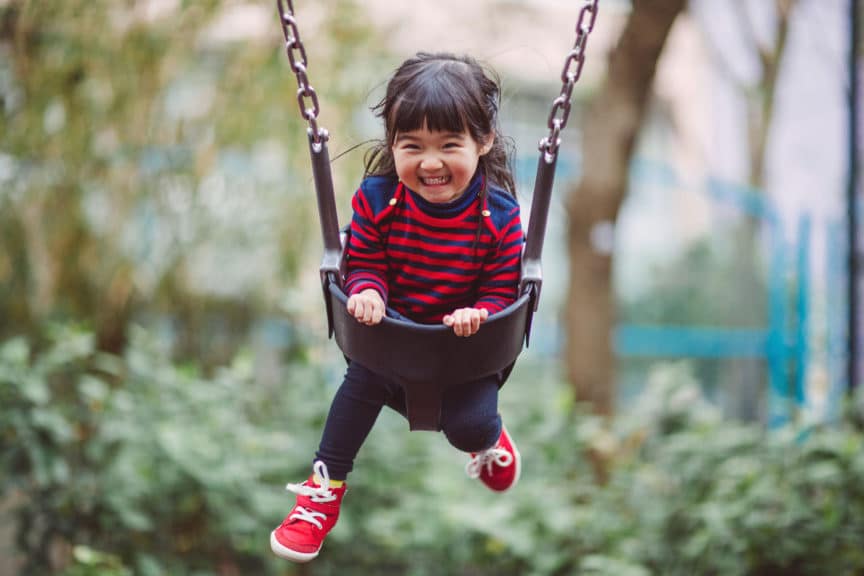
<point>89,562</point>
<point>135,465</point>
<point>692,289</point>
<point>153,152</point>
<point>141,459</point>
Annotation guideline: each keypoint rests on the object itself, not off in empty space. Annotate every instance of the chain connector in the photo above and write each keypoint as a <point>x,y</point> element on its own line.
<point>318,137</point>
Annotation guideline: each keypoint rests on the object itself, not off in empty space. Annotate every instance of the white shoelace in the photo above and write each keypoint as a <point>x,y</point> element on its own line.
<point>488,458</point>
<point>320,494</point>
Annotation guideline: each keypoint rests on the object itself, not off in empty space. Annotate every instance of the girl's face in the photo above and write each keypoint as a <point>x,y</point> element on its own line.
<point>437,165</point>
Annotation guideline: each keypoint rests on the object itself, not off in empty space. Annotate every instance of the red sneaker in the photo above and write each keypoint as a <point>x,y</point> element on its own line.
<point>498,467</point>
<point>301,534</point>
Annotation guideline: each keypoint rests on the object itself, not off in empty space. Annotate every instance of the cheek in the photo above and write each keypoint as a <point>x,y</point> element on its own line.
<point>399,161</point>
<point>470,165</point>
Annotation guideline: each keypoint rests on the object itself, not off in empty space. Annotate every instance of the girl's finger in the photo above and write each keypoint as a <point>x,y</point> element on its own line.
<point>475,323</point>
<point>358,310</point>
<point>377,314</point>
<point>368,310</point>
<point>466,324</point>
<point>457,322</point>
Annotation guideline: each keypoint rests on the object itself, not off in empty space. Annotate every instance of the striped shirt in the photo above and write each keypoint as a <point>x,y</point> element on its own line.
<point>425,259</point>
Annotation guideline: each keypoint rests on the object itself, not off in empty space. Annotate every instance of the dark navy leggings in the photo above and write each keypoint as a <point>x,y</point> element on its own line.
<point>469,416</point>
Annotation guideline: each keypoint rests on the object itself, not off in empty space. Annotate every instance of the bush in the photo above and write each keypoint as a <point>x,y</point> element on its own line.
<point>153,463</point>
<point>135,466</point>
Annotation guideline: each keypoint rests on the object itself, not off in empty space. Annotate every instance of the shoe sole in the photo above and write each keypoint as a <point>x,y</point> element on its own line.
<point>289,554</point>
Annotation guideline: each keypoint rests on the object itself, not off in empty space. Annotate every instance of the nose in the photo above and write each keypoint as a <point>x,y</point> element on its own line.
<point>431,162</point>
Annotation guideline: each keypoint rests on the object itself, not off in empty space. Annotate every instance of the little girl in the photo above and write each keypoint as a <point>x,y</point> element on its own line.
<point>435,237</point>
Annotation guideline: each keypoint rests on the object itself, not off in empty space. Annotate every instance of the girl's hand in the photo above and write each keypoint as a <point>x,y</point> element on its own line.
<point>466,321</point>
<point>367,307</point>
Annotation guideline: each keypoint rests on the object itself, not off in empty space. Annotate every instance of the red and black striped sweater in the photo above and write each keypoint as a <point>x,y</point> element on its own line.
<point>426,259</point>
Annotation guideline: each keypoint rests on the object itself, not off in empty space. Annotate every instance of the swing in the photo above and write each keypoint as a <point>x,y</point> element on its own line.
<point>426,359</point>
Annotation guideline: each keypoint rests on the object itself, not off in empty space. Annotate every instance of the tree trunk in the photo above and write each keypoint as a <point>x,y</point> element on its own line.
<point>611,127</point>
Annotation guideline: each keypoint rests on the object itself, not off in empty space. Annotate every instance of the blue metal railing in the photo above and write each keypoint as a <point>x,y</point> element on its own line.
<point>782,343</point>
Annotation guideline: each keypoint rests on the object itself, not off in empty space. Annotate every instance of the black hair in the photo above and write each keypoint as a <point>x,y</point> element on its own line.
<point>448,93</point>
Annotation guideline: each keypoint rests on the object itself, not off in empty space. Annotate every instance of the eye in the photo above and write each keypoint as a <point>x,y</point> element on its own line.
<point>452,145</point>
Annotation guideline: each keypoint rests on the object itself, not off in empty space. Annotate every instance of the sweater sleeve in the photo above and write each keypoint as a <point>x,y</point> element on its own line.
<point>367,262</point>
<point>500,278</point>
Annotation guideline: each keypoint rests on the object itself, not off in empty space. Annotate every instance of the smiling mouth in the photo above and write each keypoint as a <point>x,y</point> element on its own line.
<point>438,181</point>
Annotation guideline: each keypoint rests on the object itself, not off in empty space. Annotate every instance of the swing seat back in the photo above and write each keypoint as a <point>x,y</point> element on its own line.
<point>427,359</point>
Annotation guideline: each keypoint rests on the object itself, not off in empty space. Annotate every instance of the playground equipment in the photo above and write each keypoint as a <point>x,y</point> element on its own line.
<point>426,359</point>
<point>782,343</point>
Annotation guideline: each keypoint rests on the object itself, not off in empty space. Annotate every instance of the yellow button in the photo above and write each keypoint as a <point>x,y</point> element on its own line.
<point>392,201</point>
<point>486,213</point>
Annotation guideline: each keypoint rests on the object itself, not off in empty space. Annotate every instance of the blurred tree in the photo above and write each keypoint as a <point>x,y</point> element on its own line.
<point>138,139</point>
<point>610,130</point>
<point>765,46</point>
<point>595,202</point>
<point>82,83</point>
<point>760,88</point>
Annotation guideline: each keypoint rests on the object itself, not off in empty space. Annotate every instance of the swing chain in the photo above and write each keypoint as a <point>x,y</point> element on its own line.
<point>307,98</point>
<point>560,112</point>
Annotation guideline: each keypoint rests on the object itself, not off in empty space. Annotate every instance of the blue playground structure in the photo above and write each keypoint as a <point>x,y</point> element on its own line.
<point>782,343</point>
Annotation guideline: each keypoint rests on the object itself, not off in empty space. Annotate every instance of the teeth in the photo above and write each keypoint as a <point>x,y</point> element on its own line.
<point>435,181</point>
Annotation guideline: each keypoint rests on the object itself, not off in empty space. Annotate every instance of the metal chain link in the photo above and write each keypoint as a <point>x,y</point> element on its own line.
<point>307,98</point>
<point>560,112</point>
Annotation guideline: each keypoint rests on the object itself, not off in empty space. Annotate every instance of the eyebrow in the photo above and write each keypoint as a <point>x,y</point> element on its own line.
<point>409,136</point>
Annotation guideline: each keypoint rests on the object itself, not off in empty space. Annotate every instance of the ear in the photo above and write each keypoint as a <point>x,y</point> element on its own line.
<point>487,145</point>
